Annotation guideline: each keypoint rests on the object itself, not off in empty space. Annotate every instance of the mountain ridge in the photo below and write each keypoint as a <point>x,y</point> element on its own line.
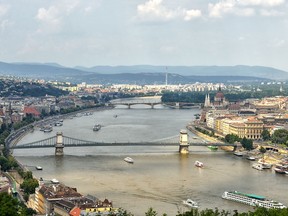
<point>143,73</point>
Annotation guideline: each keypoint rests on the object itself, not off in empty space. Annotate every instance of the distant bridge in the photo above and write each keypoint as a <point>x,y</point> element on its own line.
<point>153,103</point>
<point>59,142</point>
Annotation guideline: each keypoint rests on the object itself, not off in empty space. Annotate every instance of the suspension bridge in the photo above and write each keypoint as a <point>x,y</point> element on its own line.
<point>60,141</point>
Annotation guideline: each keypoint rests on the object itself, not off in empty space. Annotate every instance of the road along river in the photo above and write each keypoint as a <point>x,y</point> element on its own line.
<point>160,177</point>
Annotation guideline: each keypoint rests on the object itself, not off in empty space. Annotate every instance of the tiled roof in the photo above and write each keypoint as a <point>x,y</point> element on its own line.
<point>31,110</point>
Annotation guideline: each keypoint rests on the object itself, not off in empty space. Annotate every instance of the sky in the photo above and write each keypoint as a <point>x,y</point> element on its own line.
<point>138,32</point>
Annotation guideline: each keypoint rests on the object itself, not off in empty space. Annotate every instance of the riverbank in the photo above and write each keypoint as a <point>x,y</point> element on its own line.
<point>272,157</point>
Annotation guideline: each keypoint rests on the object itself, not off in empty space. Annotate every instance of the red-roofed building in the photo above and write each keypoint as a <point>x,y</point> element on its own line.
<point>76,211</point>
<point>31,110</point>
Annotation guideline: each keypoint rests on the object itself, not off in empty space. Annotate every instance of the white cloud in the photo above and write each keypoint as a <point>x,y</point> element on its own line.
<point>50,15</point>
<point>50,20</point>
<point>156,10</point>
<point>270,13</point>
<point>3,9</point>
<point>190,14</point>
<point>223,7</point>
<point>244,8</point>
<point>264,3</point>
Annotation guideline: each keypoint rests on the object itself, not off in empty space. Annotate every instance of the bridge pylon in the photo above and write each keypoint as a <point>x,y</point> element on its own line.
<point>183,142</point>
<point>59,146</point>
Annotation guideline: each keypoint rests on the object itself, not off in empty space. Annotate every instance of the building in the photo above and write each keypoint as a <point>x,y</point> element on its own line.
<point>46,195</point>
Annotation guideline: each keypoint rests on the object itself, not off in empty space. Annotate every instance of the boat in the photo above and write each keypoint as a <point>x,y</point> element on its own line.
<point>238,153</point>
<point>190,203</point>
<point>252,200</point>
<point>58,124</point>
<point>54,181</point>
<point>47,129</point>
<point>257,166</point>
<point>96,127</point>
<point>128,160</point>
<point>39,168</point>
<point>198,164</point>
<point>212,147</point>
<point>279,170</point>
<point>251,158</point>
<point>115,116</point>
<point>286,172</point>
<point>265,165</point>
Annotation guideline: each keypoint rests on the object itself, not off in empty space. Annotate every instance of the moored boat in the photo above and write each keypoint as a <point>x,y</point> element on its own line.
<point>39,168</point>
<point>238,153</point>
<point>279,170</point>
<point>251,158</point>
<point>265,165</point>
<point>198,164</point>
<point>128,160</point>
<point>96,127</point>
<point>190,203</point>
<point>252,200</point>
<point>212,147</point>
<point>47,129</point>
<point>257,166</point>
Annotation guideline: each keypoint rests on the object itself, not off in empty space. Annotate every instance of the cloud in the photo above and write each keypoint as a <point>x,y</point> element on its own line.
<point>3,9</point>
<point>50,20</point>
<point>223,7</point>
<point>271,13</point>
<point>155,10</point>
<point>264,3</point>
<point>244,8</point>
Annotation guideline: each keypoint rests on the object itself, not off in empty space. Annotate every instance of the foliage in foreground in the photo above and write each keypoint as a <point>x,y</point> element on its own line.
<point>217,212</point>
<point>11,206</point>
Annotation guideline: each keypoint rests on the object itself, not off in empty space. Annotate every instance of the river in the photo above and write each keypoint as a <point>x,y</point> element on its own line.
<point>160,178</point>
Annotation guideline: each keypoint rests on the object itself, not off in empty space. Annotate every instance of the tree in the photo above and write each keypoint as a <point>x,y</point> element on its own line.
<point>262,150</point>
<point>151,212</point>
<point>8,205</point>
<point>29,185</point>
<point>247,143</point>
<point>265,135</point>
<point>280,136</point>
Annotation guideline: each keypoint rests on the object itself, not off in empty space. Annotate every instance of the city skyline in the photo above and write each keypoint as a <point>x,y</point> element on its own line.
<point>155,32</point>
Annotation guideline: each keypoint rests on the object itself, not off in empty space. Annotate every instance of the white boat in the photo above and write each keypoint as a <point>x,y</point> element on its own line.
<point>39,168</point>
<point>190,203</point>
<point>265,165</point>
<point>96,127</point>
<point>58,124</point>
<point>47,129</point>
<point>198,164</point>
<point>252,200</point>
<point>128,160</point>
<point>238,153</point>
<point>251,158</point>
<point>257,166</point>
<point>54,181</point>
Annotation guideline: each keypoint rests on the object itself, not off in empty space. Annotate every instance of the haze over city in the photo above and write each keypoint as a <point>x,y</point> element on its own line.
<point>155,32</point>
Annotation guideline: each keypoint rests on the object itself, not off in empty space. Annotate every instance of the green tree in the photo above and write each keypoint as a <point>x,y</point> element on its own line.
<point>8,205</point>
<point>247,143</point>
<point>265,135</point>
<point>151,212</point>
<point>280,136</point>
<point>29,185</point>
<point>262,150</point>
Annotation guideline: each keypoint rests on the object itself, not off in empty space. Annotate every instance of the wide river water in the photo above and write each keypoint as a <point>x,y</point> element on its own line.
<point>160,177</point>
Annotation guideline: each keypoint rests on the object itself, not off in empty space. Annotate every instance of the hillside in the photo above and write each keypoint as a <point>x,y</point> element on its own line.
<point>143,74</point>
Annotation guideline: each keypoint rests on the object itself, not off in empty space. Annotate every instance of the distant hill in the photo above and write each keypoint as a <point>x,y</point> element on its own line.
<point>143,74</point>
<point>239,70</point>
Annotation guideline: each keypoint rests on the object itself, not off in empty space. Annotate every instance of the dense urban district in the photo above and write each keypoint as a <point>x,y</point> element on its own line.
<point>254,116</point>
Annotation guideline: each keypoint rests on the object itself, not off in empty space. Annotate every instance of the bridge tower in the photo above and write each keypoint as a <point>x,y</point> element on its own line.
<point>59,146</point>
<point>183,142</point>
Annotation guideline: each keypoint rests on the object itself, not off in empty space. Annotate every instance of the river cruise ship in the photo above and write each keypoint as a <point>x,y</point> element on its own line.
<point>252,199</point>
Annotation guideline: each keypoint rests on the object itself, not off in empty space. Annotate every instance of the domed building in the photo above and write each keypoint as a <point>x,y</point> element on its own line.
<point>219,99</point>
